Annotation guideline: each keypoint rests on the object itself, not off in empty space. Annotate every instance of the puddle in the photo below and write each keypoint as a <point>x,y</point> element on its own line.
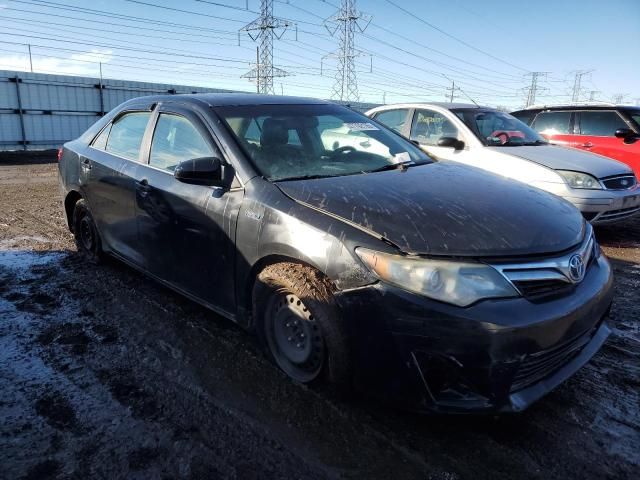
<point>23,260</point>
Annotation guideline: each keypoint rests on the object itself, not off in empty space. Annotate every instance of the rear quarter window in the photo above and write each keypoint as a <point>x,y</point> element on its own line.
<point>394,119</point>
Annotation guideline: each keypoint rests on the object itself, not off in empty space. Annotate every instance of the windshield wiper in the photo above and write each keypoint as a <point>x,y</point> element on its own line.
<point>392,166</point>
<point>303,177</point>
<point>536,142</point>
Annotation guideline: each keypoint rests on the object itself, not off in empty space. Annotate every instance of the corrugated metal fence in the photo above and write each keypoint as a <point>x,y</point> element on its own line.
<point>40,111</point>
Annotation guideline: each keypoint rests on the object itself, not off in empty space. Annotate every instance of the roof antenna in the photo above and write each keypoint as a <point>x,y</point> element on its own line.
<point>463,92</point>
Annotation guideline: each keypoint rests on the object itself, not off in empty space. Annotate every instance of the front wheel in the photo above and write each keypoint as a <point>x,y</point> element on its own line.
<point>299,324</point>
<point>85,233</point>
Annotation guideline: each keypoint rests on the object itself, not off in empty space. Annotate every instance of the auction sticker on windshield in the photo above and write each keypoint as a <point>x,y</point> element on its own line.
<point>361,126</point>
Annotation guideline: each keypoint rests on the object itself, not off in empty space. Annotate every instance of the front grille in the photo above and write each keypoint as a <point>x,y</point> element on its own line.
<point>537,289</point>
<point>553,276</point>
<point>618,214</point>
<point>622,182</point>
<point>539,365</point>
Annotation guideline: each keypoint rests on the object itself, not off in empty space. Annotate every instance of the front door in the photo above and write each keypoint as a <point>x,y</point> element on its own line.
<point>428,127</point>
<point>597,130</point>
<point>188,231</point>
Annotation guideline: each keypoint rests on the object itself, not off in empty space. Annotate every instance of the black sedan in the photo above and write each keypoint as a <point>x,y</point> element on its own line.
<point>355,258</point>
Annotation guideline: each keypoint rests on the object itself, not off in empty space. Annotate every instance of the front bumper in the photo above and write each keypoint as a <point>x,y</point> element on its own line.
<point>606,206</point>
<point>494,356</point>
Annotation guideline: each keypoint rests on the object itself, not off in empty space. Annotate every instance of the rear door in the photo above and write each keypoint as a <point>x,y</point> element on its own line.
<point>108,174</point>
<point>556,126</point>
<point>596,133</point>
<point>188,231</point>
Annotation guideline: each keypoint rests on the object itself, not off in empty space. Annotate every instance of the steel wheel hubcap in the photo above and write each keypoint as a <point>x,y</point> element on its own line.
<point>294,338</point>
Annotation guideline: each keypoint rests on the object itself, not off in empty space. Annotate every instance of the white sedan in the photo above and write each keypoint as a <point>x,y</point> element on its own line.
<point>604,190</point>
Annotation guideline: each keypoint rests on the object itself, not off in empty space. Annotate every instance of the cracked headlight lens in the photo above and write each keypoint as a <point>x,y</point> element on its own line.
<point>458,283</point>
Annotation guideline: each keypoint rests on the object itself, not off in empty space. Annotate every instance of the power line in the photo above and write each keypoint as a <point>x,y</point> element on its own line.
<point>71,28</point>
<point>191,12</point>
<point>137,27</point>
<point>103,13</point>
<point>224,5</point>
<point>453,37</point>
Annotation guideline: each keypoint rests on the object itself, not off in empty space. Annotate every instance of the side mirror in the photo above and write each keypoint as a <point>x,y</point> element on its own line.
<point>624,133</point>
<point>200,171</point>
<point>451,142</point>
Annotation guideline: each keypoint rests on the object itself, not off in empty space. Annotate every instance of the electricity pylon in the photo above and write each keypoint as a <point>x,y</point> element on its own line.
<point>264,29</point>
<point>344,23</point>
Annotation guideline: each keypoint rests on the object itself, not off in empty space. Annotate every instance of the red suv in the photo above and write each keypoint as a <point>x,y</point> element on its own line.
<point>610,130</point>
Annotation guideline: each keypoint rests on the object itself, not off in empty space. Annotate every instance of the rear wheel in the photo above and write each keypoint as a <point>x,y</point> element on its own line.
<point>85,233</point>
<point>300,325</point>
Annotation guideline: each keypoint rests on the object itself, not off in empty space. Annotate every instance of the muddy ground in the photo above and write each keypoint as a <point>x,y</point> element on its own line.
<point>106,374</point>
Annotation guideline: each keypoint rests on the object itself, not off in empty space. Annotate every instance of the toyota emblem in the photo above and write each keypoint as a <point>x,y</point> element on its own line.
<point>576,268</point>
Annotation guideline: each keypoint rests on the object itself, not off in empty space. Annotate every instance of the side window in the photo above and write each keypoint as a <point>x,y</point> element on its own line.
<point>126,135</point>
<point>101,140</point>
<point>525,116</point>
<point>294,138</point>
<point>428,127</point>
<point>176,139</point>
<point>394,119</point>
<point>253,132</point>
<point>552,123</point>
<point>600,123</point>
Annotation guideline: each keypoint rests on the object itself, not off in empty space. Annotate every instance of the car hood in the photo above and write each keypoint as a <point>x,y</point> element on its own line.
<point>563,158</point>
<point>446,209</point>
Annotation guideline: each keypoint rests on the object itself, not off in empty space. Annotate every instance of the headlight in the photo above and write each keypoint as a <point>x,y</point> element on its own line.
<point>460,283</point>
<point>580,180</point>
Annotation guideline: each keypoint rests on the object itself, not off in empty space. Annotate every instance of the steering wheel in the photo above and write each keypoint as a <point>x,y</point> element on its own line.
<point>343,150</point>
<point>502,135</point>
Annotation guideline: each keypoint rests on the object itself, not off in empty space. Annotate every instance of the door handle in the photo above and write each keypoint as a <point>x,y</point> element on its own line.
<point>86,164</point>
<point>143,183</point>
<point>587,145</point>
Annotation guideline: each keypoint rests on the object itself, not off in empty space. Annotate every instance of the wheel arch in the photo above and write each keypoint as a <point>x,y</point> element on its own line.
<point>245,302</point>
<point>69,204</point>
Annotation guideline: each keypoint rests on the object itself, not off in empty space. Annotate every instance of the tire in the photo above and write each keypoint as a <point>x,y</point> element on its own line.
<point>299,325</point>
<point>86,234</point>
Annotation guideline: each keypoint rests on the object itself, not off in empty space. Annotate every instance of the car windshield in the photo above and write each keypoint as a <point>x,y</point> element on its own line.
<point>288,142</point>
<point>497,129</point>
<point>635,115</point>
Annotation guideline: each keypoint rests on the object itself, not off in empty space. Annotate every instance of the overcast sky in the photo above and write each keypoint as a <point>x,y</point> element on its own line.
<point>410,53</point>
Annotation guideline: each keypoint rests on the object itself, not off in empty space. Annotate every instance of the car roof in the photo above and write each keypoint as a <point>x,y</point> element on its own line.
<point>445,105</point>
<point>578,106</point>
<point>233,99</point>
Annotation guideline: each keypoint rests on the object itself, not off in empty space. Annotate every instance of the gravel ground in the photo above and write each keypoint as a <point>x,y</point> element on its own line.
<point>106,374</point>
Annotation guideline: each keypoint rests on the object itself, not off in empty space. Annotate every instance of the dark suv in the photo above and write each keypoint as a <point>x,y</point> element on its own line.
<point>353,256</point>
<point>609,130</point>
